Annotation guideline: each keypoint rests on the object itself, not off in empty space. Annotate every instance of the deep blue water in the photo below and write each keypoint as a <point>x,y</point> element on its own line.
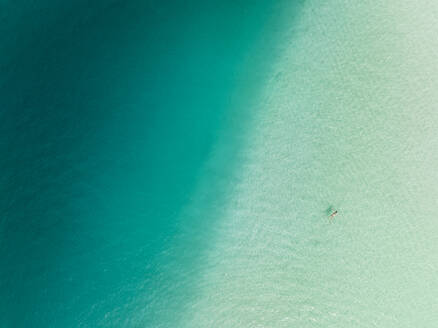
<point>108,112</point>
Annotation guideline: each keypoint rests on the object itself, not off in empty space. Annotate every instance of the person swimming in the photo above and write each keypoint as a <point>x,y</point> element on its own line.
<point>333,214</point>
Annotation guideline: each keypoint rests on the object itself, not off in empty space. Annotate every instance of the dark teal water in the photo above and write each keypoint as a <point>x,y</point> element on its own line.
<point>108,112</point>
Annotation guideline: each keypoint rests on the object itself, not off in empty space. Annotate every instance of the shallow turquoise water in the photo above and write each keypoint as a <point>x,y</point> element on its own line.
<point>346,120</point>
<point>171,165</point>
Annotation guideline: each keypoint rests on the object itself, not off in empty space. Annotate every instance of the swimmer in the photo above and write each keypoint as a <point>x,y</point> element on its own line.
<point>333,214</point>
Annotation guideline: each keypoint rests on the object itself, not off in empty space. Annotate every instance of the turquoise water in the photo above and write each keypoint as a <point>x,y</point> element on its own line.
<point>109,112</point>
<point>172,165</point>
